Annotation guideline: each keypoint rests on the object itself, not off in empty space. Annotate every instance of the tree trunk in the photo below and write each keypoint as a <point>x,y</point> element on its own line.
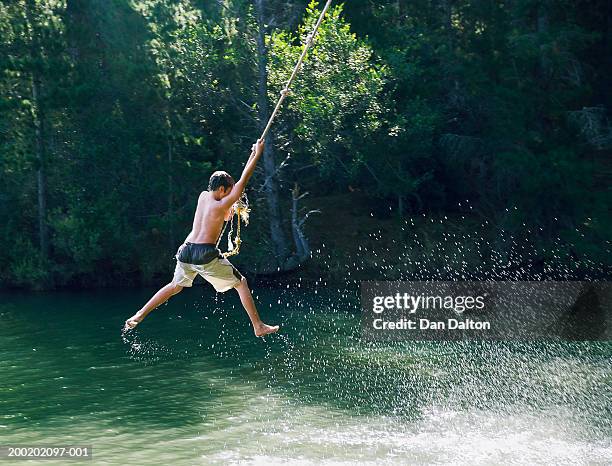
<point>277,234</point>
<point>542,28</point>
<point>171,235</point>
<point>302,248</point>
<point>543,67</point>
<point>607,41</point>
<point>43,233</point>
<point>38,117</point>
<point>447,21</point>
<point>455,95</point>
<point>301,245</point>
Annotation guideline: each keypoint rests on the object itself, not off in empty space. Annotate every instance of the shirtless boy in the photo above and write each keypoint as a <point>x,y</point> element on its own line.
<point>198,255</point>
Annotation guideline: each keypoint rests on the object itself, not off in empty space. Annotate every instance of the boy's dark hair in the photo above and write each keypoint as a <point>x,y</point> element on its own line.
<point>218,179</point>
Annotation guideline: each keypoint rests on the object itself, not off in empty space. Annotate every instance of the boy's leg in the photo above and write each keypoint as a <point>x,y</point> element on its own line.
<point>163,295</point>
<point>246,298</point>
<point>183,276</point>
<point>224,276</point>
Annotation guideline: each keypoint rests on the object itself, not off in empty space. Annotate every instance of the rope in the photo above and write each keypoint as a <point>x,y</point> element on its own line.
<point>241,208</point>
<point>309,41</point>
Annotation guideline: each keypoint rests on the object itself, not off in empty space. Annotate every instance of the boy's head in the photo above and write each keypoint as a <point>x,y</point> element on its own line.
<point>222,181</point>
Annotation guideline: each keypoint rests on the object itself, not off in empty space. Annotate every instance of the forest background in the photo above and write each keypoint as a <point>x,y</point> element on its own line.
<point>461,139</point>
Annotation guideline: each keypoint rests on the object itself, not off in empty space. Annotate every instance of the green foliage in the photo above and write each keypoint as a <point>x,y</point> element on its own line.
<point>26,266</point>
<point>335,104</point>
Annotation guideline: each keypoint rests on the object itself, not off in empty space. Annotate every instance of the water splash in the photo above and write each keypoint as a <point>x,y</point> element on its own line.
<point>143,349</point>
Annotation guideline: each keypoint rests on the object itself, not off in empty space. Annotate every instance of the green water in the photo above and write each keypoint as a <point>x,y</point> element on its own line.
<point>193,386</point>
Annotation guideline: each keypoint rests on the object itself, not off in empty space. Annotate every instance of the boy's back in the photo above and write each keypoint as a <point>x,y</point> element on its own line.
<point>208,219</point>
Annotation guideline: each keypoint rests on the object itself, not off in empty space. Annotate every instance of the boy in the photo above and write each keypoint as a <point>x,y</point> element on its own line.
<point>199,254</point>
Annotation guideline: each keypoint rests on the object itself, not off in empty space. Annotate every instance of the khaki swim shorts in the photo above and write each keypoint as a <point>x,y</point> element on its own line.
<point>204,259</point>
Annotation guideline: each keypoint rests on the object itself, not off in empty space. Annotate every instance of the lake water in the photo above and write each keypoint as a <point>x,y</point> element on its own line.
<point>193,385</point>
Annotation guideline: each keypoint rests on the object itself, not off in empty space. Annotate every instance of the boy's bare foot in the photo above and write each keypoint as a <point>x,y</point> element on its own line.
<point>264,329</point>
<point>131,323</point>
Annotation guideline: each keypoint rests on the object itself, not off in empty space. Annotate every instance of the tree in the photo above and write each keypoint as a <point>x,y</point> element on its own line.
<point>33,64</point>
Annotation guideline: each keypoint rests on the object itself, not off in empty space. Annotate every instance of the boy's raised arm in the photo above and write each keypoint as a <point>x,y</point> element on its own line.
<point>248,170</point>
